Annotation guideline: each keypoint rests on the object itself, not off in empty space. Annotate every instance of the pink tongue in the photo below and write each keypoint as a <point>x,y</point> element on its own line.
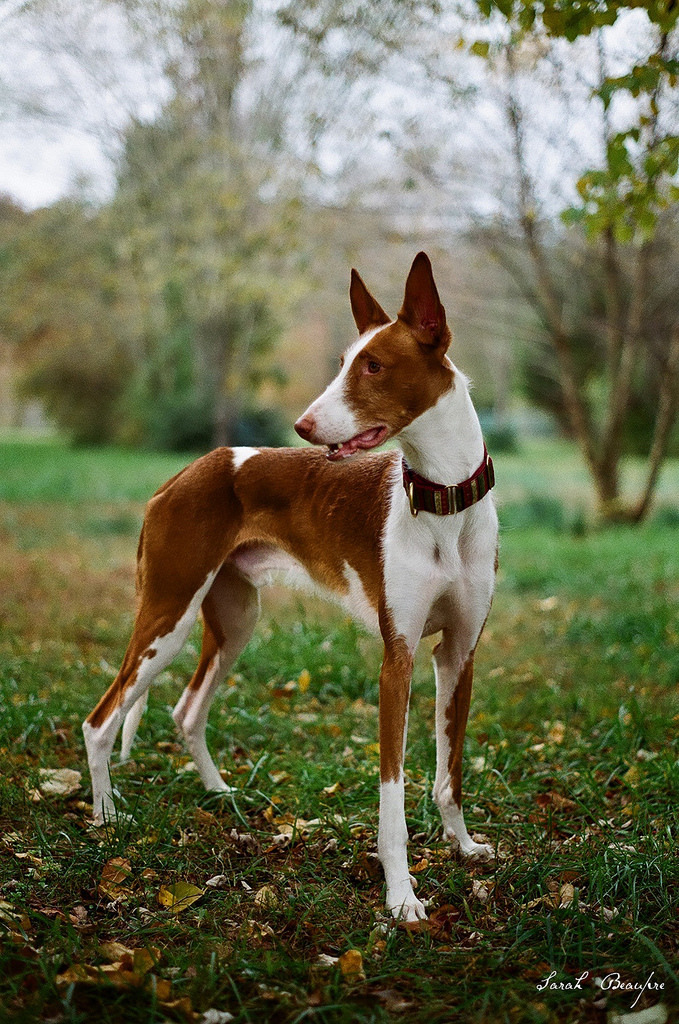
<point>368,439</point>
<point>364,440</point>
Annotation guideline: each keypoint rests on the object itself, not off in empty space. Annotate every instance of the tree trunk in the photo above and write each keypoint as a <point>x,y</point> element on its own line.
<point>665,419</point>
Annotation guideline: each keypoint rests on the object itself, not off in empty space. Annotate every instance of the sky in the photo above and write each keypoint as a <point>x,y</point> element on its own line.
<point>70,78</point>
<point>37,170</point>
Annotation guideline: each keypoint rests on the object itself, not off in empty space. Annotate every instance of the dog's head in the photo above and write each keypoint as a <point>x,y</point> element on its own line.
<point>395,371</point>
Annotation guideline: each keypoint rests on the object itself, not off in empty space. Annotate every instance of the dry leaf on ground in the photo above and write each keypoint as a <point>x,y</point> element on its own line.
<point>179,896</point>
<point>115,878</point>
<point>59,781</point>
<point>351,965</point>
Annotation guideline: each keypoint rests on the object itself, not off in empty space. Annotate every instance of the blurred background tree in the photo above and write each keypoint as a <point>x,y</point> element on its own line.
<point>576,151</point>
<point>168,289</point>
<point>260,148</point>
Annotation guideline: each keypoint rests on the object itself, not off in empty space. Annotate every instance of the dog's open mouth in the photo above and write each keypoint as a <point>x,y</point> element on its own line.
<point>368,439</point>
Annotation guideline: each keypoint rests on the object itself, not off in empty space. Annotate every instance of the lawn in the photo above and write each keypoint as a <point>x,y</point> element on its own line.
<point>268,904</point>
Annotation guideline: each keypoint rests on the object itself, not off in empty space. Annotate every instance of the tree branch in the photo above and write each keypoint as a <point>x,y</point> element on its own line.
<point>664,422</point>
<point>576,408</point>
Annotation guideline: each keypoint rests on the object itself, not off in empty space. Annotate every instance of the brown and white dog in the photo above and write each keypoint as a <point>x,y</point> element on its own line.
<point>407,556</point>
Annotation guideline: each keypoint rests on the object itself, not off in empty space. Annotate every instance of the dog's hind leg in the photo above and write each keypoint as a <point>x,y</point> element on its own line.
<point>131,724</point>
<point>230,611</point>
<point>161,627</point>
<point>454,678</point>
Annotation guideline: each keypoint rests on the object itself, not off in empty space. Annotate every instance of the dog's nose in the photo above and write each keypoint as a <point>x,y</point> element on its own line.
<point>305,427</point>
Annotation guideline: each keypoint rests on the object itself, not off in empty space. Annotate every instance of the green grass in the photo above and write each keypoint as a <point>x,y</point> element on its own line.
<point>51,470</point>
<point>572,771</point>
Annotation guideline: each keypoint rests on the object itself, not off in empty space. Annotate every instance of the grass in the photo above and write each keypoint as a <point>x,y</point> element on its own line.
<point>572,771</point>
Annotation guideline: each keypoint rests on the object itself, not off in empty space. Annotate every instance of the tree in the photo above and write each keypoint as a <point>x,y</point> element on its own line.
<point>605,201</point>
<point>618,207</point>
<point>60,307</point>
<point>195,235</point>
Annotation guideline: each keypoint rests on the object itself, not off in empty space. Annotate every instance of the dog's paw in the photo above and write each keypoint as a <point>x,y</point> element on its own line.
<point>481,853</point>
<point>112,818</point>
<point>406,910</point>
<point>221,789</point>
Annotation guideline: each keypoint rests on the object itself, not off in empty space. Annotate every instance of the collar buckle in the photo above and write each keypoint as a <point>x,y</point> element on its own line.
<point>411,498</point>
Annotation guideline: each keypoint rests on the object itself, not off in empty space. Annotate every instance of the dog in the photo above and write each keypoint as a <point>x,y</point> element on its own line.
<point>407,555</point>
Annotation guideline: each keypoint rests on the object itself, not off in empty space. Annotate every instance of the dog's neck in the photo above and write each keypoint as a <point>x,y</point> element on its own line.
<point>445,443</point>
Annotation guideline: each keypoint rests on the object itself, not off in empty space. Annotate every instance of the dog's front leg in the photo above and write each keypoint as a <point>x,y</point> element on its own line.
<point>454,678</point>
<point>392,840</point>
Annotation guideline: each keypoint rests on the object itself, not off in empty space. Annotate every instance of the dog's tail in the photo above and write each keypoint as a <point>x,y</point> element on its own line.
<point>131,724</point>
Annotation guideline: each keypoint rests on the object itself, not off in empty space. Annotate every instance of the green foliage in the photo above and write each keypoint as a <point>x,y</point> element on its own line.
<point>631,191</point>
<point>261,426</point>
<point>572,20</point>
<point>81,388</point>
<point>499,434</point>
<point>638,178</point>
<point>148,320</point>
<point>59,306</point>
<point>536,511</point>
<point>542,387</point>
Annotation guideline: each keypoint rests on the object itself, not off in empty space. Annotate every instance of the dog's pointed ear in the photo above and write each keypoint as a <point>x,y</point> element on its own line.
<point>367,311</point>
<point>422,309</point>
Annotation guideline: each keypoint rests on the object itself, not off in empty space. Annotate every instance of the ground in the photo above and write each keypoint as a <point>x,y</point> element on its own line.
<point>267,905</point>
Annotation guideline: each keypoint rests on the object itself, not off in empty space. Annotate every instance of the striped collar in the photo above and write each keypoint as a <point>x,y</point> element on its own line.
<point>446,500</point>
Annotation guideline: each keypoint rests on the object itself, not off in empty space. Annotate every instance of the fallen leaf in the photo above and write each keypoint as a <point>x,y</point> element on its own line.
<point>115,873</point>
<point>78,917</point>
<point>286,690</point>
<point>14,918</point>
<point>557,733</point>
<point>179,897</point>
<point>443,919</point>
<point>9,838</point>
<point>114,951</point>
<point>213,1016</point>
<point>326,960</point>
<point>632,777</point>
<point>303,680</point>
<point>106,974</point>
<point>217,882</point>
<point>139,960</point>
<point>59,781</point>
<point>480,891</point>
<point>259,930</point>
<point>566,896</point>
<point>392,1001</point>
<point>183,1007</point>
<point>31,858</point>
<point>169,747</point>
<point>351,965</point>
<point>555,801</point>
<point>266,897</point>
<point>204,817</point>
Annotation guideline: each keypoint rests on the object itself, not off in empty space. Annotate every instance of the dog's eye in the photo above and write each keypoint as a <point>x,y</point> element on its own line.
<point>374,367</point>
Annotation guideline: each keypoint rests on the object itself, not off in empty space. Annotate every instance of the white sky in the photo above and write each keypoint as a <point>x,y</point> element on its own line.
<point>37,170</point>
<point>81,112</point>
<point>70,78</point>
